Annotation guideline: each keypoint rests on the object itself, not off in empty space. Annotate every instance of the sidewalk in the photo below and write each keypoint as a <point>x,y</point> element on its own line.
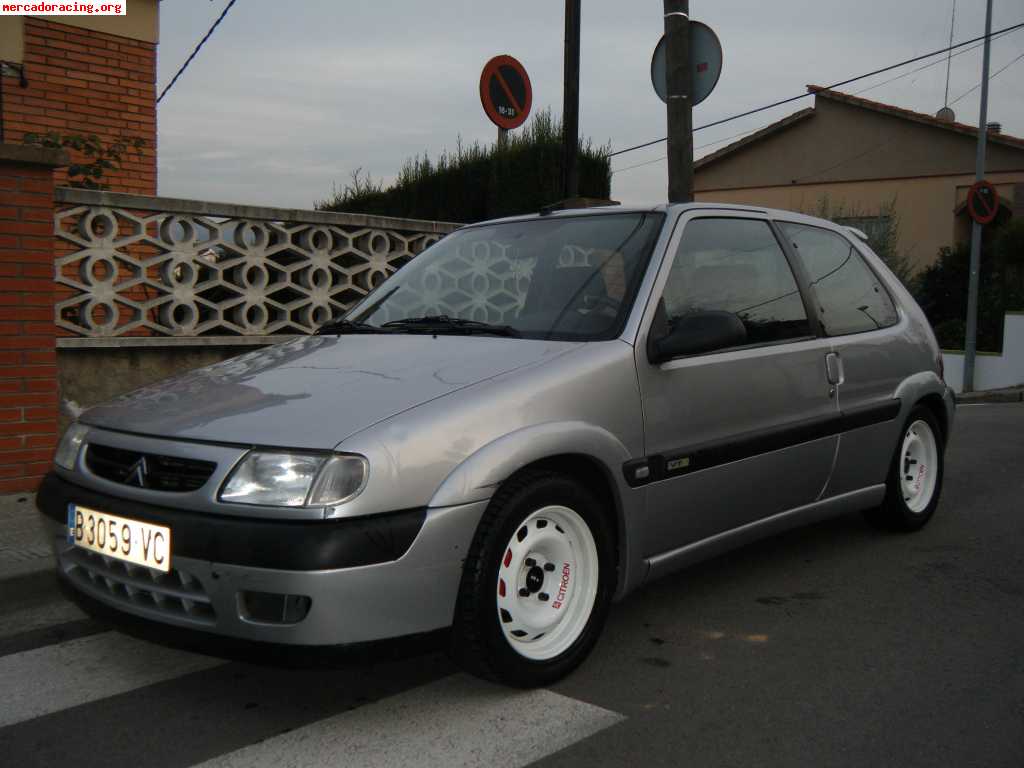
<point>1008,395</point>
<point>23,545</point>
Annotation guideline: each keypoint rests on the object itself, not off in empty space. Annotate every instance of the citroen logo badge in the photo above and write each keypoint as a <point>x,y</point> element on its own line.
<point>137,473</point>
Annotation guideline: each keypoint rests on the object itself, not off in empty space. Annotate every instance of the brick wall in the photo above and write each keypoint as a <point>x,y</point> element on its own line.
<point>81,81</point>
<point>28,363</point>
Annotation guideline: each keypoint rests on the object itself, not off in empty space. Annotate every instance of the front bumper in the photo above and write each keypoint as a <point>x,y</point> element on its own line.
<point>366,578</point>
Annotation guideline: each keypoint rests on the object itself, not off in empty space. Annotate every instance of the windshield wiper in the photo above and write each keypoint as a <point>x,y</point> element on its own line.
<point>341,325</point>
<point>444,323</point>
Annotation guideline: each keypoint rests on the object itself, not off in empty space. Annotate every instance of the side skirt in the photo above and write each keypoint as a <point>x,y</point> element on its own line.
<point>854,501</point>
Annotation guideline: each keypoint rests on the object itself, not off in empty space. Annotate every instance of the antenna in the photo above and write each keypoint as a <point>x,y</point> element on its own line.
<point>949,54</point>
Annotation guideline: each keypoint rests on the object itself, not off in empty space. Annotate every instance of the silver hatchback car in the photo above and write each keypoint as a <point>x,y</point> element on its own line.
<point>534,417</point>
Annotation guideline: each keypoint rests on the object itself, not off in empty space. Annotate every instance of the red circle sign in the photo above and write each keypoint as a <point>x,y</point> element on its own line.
<point>982,202</point>
<point>505,92</point>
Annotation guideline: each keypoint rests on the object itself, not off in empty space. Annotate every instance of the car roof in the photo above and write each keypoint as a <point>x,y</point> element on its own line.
<point>671,208</point>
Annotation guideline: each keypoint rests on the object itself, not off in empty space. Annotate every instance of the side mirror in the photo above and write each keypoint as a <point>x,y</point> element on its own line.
<point>698,332</point>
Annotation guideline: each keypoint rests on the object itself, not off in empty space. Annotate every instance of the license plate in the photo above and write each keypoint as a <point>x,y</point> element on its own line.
<point>120,537</point>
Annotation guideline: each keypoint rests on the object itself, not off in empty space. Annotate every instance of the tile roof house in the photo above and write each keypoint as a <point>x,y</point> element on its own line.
<point>862,155</point>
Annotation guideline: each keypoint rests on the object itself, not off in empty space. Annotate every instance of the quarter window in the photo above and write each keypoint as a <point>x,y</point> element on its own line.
<point>851,298</point>
<point>737,266</point>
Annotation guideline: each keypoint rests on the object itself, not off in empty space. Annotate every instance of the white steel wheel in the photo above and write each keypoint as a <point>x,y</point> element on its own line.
<point>547,583</point>
<point>918,466</point>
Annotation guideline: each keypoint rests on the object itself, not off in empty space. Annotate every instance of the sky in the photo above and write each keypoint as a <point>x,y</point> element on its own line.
<point>289,98</point>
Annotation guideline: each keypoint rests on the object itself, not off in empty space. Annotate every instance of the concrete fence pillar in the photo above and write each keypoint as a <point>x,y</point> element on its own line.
<point>28,361</point>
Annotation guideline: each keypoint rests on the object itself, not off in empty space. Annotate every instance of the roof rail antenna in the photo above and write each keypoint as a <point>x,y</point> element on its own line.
<point>577,202</point>
<point>859,233</point>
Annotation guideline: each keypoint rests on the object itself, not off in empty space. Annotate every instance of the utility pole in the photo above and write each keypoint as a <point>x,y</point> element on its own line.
<point>971,345</point>
<point>679,80</point>
<point>571,105</point>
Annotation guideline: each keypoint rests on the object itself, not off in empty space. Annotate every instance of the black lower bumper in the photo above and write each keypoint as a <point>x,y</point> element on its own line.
<point>299,545</point>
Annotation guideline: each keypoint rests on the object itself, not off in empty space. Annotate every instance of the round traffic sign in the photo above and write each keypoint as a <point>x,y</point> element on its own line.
<point>505,92</point>
<point>705,63</point>
<point>982,202</point>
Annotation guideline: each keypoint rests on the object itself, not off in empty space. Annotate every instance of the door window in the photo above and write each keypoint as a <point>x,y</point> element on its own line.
<point>850,296</point>
<point>737,266</point>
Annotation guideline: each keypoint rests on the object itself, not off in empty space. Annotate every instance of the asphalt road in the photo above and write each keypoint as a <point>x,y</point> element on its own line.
<point>832,645</point>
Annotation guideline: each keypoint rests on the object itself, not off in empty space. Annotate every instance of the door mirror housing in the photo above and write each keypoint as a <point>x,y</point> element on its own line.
<point>697,332</point>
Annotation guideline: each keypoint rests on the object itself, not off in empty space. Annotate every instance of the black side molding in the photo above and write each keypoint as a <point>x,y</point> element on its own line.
<point>707,455</point>
<point>868,415</point>
<point>301,545</point>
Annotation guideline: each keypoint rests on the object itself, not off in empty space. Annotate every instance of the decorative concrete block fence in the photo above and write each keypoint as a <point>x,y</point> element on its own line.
<point>102,293</point>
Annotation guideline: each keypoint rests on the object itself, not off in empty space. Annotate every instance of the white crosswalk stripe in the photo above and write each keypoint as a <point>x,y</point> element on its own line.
<point>49,679</point>
<point>457,721</point>
<point>454,721</point>
<point>39,617</point>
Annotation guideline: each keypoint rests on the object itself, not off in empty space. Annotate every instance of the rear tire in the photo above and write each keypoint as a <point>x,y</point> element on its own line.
<point>915,477</point>
<point>537,582</point>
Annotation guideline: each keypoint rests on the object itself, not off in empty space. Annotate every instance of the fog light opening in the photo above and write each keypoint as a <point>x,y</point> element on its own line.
<point>273,608</point>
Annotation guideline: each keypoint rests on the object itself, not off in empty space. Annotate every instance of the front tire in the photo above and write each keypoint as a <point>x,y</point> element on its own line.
<point>537,582</point>
<point>915,476</point>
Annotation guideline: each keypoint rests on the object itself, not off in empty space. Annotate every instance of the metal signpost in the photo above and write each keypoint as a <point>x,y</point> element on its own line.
<point>971,342</point>
<point>505,93</point>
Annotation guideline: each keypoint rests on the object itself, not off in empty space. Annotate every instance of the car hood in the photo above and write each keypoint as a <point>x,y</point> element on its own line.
<point>317,391</point>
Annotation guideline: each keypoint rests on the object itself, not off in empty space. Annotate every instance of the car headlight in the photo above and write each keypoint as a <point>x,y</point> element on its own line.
<point>69,446</point>
<point>283,479</point>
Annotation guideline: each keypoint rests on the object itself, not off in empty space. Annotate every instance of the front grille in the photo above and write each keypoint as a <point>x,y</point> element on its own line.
<point>175,593</point>
<point>147,470</point>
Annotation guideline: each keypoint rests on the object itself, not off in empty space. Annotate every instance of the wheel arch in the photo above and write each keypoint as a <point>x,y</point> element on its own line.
<point>928,390</point>
<point>934,403</point>
<point>587,453</point>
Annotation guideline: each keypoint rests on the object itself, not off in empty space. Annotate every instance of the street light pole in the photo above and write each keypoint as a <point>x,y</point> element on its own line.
<point>679,104</point>
<point>971,342</point>
<point>571,104</point>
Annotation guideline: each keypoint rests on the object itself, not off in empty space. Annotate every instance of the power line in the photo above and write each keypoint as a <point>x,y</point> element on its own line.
<point>844,161</point>
<point>195,50</point>
<point>991,77</point>
<point>829,87</point>
<point>927,66</point>
<point>855,93</point>
<point>701,146</point>
<point>640,165</point>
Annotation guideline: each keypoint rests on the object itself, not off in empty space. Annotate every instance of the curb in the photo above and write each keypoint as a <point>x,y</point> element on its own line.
<point>1015,395</point>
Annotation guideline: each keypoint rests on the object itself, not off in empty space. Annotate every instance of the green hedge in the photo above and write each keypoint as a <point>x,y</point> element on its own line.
<point>941,290</point>
<point>476,183</point>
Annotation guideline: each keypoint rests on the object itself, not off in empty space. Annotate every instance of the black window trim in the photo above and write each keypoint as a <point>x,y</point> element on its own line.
<point>795,267</point>
<point>803,281</point>
<point>867,265</point>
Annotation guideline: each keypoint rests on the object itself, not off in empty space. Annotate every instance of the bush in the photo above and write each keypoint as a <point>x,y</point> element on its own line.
<point>476,183</point>
<point>95,158</point>
<point>942,289</point>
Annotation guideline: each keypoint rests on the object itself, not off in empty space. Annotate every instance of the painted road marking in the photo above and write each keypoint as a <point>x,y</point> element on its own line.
<point>456,721</point>
<point>46,680</point>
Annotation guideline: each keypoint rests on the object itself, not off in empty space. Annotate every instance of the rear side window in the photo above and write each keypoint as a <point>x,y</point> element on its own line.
<point>851,298</point>
<point>738,266</point>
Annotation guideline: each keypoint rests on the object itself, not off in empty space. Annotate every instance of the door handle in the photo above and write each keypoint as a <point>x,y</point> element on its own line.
<point>834,369</point>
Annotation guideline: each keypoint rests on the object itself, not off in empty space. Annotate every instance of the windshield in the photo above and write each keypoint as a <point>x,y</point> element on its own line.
<point>570,278</point>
